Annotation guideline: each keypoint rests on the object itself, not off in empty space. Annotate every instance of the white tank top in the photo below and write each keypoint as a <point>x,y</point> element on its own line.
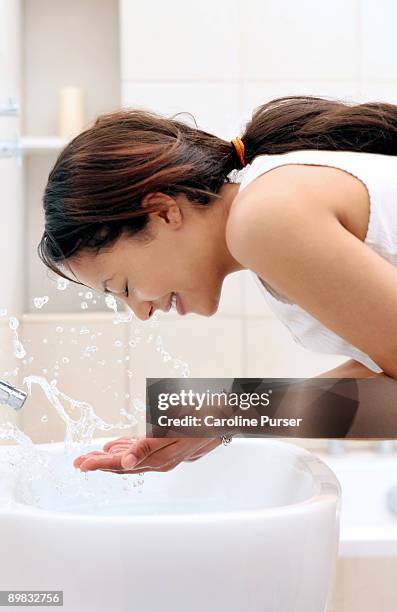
<point>379,174</point>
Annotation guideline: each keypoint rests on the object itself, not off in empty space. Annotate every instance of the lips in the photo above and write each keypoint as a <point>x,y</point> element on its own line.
<point>179,306</point>
<point>175,301</point>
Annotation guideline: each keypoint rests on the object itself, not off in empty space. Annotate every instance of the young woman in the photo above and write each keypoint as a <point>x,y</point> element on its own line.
<point>142,206</point>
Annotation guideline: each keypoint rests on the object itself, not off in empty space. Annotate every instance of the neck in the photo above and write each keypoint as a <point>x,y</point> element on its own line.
<point>228,192</point>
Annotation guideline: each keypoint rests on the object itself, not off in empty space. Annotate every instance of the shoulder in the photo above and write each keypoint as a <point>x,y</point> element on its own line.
<point>286,195</point>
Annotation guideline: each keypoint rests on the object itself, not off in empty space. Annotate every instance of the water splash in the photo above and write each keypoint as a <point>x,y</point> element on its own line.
<point>111,303</point>
<point>62,283</point>
<point>81,420</point>
<point>39,302</point>
<point>19,350</point>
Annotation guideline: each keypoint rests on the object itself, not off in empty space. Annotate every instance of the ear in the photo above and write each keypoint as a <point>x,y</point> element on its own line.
<point>169,208</point>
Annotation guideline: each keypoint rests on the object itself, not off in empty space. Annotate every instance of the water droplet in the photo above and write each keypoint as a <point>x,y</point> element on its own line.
<point>118,343</point>
<point>62,283</point>
<point>65,359</point>
<point>84,305</point>
<point>89,350</point>
<point>111,302</point>
<point>59,329</point>
<point>44,419</point>
<point>138,405</point>
<point>13,323</point>
<point>3,312</point>
<point>19,351</point>
<point>88,295</point>
<point>39,302</point>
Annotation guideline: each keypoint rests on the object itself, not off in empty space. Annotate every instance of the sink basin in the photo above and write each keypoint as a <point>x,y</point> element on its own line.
<point>252,526</point>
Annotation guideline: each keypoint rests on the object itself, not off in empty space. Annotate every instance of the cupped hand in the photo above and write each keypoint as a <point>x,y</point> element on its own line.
<point>129,455</point>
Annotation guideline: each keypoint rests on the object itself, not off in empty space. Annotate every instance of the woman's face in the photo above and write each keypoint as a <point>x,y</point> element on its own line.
<point>186,254</point>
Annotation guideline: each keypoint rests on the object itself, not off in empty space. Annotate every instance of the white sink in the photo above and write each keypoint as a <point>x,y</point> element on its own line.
<point>250,527</point>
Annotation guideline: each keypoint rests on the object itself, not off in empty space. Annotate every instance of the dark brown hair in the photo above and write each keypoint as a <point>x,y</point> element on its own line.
<point>95,189</point>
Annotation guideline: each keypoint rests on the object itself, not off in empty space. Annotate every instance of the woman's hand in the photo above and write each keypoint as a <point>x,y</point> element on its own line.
<point>128,455</point>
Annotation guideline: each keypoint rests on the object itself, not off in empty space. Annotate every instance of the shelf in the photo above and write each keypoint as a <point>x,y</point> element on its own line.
<point>45,144</point>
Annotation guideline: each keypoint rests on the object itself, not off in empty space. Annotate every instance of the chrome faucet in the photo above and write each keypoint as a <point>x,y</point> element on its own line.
<point>11,396</point>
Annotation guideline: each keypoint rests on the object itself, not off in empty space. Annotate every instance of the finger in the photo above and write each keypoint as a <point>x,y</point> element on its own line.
<point>101,461</point>
<point>164,457</point>
<point>122,440</point>
<point>119,448</point>
<point>142,449</point>
<point>78,460</point>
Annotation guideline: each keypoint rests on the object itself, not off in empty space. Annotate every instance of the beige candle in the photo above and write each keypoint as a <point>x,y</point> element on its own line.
<point>71,112</point>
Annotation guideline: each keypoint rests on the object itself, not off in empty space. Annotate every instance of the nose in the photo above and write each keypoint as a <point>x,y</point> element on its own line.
<point>142,310</point>
<point>145,309</point>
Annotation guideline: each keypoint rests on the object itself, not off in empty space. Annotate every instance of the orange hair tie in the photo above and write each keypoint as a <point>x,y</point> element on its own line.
<point>240,149</point>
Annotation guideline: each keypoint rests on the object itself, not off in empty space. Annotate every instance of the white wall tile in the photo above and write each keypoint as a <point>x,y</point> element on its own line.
<point>232,298</point>
<point>211,346</point>
<point>255,94</point>
<point>175,40</point>
<point>378,39</point>
<point>379,92</point>
<point>12,267</point>
<point>308,39</point>
<point>10,11</point>
<point>215,107</point>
